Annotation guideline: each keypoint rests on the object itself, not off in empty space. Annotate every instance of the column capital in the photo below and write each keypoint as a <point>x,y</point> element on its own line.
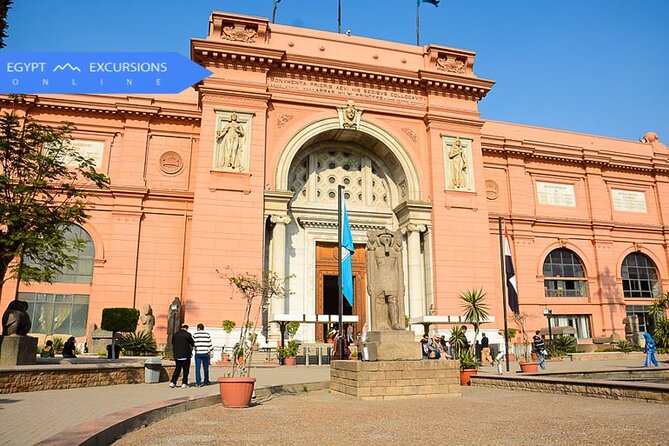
<point>282,219</point>
<point>413,227</point>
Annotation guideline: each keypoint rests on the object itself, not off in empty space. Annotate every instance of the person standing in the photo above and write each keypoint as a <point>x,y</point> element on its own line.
<point>649,350</point>
<point>182,345</point>
<point>485,349</point>
<point>539,347</point>
<point>203,348</point>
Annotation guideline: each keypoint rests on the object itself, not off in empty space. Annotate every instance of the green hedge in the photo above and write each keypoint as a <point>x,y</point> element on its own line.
<point>120,319</point>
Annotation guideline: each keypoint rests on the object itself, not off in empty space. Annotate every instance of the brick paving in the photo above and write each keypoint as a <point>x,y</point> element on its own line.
<point>26,418</point>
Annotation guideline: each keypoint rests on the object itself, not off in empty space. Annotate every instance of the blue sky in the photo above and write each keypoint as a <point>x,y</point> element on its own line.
<point>591,66</point>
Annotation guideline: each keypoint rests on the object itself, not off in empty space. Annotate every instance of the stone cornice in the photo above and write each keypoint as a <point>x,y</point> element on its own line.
<point>537,223</point>
<point>77,104</point>
<point>540,150</point>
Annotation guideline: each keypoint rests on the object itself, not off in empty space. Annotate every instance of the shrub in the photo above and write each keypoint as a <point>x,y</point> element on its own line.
<point>58,345</point>
<point>292,328</point>
<point>228,326</point>
<point>624,346</point>
<point>120,319</point>
<point>289,350</point>
<point>139,344</point>
<point>468,360</point>
<point>563,344</point>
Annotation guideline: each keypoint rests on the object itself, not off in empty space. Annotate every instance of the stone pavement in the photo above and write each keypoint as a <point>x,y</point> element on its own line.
<point>27,418</point>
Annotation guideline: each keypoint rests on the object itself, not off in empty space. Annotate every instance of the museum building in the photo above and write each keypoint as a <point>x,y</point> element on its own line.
<point>240,173</point>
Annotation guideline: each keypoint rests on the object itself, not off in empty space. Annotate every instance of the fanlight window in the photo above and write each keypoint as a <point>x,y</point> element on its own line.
<point>564,275</point>
<point>639,276</point>
<point>316,177</point>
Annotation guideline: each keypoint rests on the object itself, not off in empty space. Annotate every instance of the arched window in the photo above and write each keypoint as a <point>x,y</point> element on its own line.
<point>82,270</point>
<point>564,275</point>
<point>639,276</point>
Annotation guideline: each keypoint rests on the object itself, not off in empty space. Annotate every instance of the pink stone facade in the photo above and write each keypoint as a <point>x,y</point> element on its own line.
<point>173,216</point>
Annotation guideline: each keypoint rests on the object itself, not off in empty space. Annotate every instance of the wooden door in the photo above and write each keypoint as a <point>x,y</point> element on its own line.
<point>327,288</point>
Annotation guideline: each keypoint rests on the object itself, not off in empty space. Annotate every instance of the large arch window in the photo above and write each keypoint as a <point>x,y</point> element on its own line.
<point>564,275</point>
<point>639,276</point>
<point>65,313</point>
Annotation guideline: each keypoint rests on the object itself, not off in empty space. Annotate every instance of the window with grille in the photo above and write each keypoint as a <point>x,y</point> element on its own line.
<point>564,275</point>
<point>64,314</point>
<point>639,276</point>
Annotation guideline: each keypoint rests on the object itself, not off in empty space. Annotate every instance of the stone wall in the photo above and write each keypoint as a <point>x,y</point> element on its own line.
<point>383,380</point>
<point>642,391</point>
<point>49,377</point>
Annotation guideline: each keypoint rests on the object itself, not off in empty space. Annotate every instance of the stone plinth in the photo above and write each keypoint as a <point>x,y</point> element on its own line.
<point>397,345</point>
<point>17,350</point>
<point>383,380</point>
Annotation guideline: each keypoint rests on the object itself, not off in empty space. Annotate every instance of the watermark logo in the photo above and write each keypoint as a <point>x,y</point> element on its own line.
<point>119,73</point>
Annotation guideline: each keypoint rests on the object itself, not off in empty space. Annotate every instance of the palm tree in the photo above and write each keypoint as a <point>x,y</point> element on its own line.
<point>475,310</point>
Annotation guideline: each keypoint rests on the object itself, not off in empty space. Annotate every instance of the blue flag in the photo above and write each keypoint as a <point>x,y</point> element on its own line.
<point>347,250</point>
<point>432,2</point>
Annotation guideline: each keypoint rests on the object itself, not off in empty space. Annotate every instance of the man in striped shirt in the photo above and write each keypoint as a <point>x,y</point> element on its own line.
<point>203,348</point>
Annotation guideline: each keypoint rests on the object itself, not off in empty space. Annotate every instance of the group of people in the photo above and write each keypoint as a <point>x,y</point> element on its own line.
<point>435,347</point>
<point>184,345</point>
<point>349,339</point>
<point>69,349</point>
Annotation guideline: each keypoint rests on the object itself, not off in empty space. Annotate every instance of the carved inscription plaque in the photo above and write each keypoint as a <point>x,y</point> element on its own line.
<point>629,201</point>
<point>88,149</point>
<point>556,194</point>
<point>346,91</point>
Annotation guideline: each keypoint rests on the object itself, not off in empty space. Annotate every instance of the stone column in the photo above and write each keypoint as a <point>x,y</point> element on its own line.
<point>278,264</point>
<point>416,279</point>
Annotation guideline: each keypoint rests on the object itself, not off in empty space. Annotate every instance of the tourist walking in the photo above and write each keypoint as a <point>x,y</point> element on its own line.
<point>182,345</point>
<point>203,348</point>
<point>649,349</point>
<point>485,350</point>
<point>539,347</point>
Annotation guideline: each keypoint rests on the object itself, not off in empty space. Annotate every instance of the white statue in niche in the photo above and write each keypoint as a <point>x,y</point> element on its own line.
<point>231,139</point>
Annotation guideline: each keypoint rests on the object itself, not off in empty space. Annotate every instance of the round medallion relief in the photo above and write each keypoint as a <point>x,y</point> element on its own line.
<point>171,163</point>
<point>491,190</point>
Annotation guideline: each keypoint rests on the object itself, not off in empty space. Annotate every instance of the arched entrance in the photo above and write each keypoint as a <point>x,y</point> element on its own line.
<point>378,179</point>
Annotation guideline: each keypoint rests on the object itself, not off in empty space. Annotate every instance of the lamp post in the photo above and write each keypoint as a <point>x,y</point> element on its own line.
<point>547,312</point>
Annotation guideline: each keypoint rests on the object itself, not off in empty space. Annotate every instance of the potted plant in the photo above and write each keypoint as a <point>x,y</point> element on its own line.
<point>228,325</point>
<point>287,353</point>
<point>526,365</point>
<point>237,388</point>
<point>475,311</point>
<point>468,366</point>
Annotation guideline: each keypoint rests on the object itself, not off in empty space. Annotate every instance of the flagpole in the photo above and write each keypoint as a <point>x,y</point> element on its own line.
<point>340,344</point>
<point>502,258</point>
<point>417,23</point>
<point>339,19</point>
<point>276,3</point>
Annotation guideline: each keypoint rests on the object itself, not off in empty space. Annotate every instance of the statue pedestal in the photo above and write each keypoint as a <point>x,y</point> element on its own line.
<point>384,380</point>
<point>17,350</point>
<point>393,345</point>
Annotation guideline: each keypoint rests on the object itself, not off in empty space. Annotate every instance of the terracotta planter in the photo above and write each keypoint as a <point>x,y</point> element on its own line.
<point>292,360</point>
<point>466,375</point>
<point>529,367</point>
<point>534,357</point>
<point>236,392</point>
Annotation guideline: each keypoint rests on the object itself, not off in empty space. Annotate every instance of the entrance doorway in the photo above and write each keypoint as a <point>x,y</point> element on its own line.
<point>327,287</point>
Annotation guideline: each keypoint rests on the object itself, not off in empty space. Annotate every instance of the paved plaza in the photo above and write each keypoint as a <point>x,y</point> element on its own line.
<point>497,412</point>
<point>480,417</point>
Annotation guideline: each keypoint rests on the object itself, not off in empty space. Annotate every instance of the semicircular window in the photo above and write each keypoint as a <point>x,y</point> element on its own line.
<point>564,275</point>
<point>639,276</point>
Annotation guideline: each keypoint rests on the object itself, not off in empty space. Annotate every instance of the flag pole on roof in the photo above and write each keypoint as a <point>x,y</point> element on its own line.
<point>418,2</point>
<point>502,258</point>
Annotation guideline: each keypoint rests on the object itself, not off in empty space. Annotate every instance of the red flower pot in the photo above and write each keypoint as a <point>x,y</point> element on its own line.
<point>236,392</point>
<point>292,360</point>
<point>529,367</point>
<point>466,376</point>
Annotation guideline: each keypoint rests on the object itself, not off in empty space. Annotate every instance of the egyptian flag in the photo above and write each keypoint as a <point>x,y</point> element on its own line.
<point>432,2</point>
<point>512,288</point>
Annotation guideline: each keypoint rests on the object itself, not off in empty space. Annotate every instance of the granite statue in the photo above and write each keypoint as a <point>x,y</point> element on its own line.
<point>385,279</point>
<point>147,319</point>
<point>15,320</point>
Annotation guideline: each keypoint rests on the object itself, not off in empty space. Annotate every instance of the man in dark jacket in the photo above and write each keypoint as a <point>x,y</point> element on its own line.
<point>182,344</point>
